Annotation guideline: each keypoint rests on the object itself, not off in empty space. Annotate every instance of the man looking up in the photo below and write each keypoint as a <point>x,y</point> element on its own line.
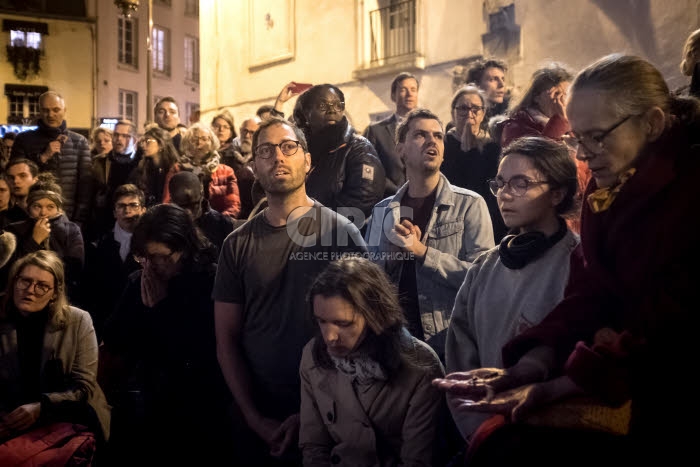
<point>263,272</point>
<point>404,94</point>
<point>439,227</point>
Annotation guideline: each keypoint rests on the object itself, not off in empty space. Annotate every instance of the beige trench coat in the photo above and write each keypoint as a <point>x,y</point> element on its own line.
<point>398,428</point>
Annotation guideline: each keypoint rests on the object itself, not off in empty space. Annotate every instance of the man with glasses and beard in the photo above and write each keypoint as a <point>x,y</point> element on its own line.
<point>240,160</point>
<point>263,271</point>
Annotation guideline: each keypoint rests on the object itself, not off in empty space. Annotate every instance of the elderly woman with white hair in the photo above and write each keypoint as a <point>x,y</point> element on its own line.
<point>200,156</point>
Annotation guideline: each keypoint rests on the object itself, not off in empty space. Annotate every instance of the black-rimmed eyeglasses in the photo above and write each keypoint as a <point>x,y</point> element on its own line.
<point>40,288</point>
<point>267,150</point>
<point>465,109</point>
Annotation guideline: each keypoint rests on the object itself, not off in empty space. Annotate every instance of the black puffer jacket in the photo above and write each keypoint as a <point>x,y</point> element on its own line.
<point>72,167</point>
<point>345,170</point>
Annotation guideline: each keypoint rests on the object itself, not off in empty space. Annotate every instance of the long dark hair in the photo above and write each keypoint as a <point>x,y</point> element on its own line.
<point>368,289</point>
<point>173,226</point>
<point>542,80</point>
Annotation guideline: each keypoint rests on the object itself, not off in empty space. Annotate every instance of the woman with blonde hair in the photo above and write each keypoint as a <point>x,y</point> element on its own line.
<point>49,353</point>
<point>100,141</point>
<point>200,156</point>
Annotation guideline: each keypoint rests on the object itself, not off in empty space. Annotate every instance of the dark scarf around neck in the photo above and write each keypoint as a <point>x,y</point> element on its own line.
<point>52,132</point>
<point>328,138</point>
<point>517,251</point>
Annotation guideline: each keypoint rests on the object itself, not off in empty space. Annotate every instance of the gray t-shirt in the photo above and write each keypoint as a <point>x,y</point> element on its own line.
<point>268,270</point>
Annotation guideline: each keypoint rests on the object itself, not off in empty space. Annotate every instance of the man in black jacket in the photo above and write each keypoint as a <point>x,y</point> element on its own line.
<point>108,260</point>
<point>60,151</point>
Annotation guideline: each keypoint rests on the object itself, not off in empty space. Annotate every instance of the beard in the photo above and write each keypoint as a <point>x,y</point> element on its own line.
<point>246,147</point>
<point>290,185</point>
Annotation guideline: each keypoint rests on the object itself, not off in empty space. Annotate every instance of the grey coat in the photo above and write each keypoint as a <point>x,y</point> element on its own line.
<point>70,342</point>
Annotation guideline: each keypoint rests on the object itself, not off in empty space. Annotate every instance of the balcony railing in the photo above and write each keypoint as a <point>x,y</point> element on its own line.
<point>393,32</point>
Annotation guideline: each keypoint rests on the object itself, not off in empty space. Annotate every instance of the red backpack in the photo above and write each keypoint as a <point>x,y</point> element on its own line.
<point>55,444</point>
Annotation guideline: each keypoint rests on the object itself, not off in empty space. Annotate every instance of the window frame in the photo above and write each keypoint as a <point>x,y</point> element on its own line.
<point>160,50</point>
<point>123,95</point>
<point>191,52</point>
<point>121,41</point>
<point>192,8</point>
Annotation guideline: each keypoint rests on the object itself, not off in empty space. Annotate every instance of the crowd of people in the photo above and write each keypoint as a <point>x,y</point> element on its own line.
<point>510,286</point>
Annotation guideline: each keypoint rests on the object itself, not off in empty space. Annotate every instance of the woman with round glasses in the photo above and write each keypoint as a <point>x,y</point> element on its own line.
<point>345,169</point>
<point>513,286</point>
<point>160,341</point>
<point>624,331</point>
<point>159,156</point>
<point>200,156</point>
<point>471,157</point>
<point>48,351</point>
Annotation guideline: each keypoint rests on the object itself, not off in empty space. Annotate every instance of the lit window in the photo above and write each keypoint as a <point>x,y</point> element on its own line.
<point>161,50</point>
<point>25,39</point>
<point>192,59</point>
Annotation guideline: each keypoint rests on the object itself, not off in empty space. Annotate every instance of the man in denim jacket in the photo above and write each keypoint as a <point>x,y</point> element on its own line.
<point>427,235</point>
